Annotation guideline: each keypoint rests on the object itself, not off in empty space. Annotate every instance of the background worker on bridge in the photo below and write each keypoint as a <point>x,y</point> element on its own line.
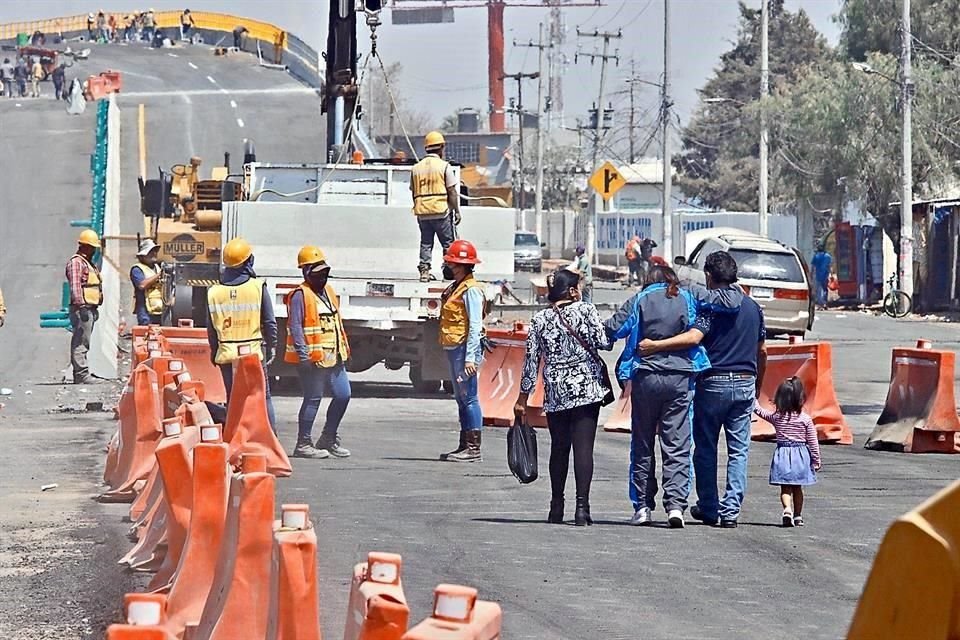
<point>317,344</point>
<point>436,200</point>
<point>147,278</point>
<point>86,296</point>
<point>240,317</point>
<point>186,23</point>
<point>149,25</point>
<point>461,329</point>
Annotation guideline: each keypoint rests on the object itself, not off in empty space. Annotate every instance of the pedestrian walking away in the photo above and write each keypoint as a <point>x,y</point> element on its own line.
<point>565,338</point>
<point>240,318</point>
<point>735,344</point>
<point>820,265</point>
<point>86,296</point>
<point>59,77</point>
<point>436,201</point>
<point>147,279</point>
<point>317,344</point>
<point>581,264</point>
<point>36,75</point>
<point>796,459</point>
<point>461,333</point>
<point>8,76</point>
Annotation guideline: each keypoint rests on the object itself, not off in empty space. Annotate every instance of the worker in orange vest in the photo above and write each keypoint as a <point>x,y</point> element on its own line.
<point>461,330</point>
<point>317,343</point>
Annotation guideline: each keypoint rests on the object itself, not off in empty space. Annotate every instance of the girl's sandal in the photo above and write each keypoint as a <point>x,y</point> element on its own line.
<point>788,520</point>
<point>798,521</point>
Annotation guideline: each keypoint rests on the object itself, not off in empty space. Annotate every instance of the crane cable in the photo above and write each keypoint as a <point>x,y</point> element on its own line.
<point>393,102</point>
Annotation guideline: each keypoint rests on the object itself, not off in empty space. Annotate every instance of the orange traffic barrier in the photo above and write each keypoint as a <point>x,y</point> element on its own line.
<point>145,613</point>
<point>148,553</point>
<point>458,615</point>
<point>140,429</point>
<point>175,459</point>
<point>619,420</point>
<point>812,363</point>
<point>113,81</point>
<point>238,601</point>
<point>920,413</point>
<point>193,410</point>
<point>498,383</point>
<point>294,599</point>
<point>253,463</point>
<point>377,609</point>
<point>148,496</point>
<point>191,346</point>
<point>912,590</point>
<point>195,574</point>
<point>247,429</point>
<point>96,88</point>
<point>126,406</point>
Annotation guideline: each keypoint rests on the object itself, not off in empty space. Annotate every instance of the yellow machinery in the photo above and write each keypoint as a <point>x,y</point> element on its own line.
<point>182,212</point>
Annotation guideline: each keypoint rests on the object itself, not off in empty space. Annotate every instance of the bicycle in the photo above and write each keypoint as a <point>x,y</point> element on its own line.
<point>896,303</point>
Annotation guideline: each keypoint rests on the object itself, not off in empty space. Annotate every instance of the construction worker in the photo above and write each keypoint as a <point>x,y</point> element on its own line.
<point>86,296</point>
<point>317,344</point>
<point>436,200</point>
<point>461,330</point>
<point>581,264</point>
<point>149,25</point>
<point>240,317</point>
<point>186,24</point>
<point>147,278</point>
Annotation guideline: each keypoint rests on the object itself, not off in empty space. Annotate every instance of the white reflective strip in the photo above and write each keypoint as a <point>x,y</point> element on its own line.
<point>294,519</point>
<point>156,353</point>
<point>385,572</point>
<point>235,307</point>
<point>184,377</point>
<point>452,607</point>
<point>172,428</point>
<point>175,365</point>
<point>917,362</point>
<point>140,613</point>
<point>209,434</point>
<point>793,356</point>
<point>244,350</point>
<point>155,386</point>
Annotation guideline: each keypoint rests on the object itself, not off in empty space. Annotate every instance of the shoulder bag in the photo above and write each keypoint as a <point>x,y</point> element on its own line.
<point>608,398</point>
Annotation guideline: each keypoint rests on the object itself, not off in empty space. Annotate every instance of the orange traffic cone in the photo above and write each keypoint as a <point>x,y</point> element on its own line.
<point>294,601</point>
<point>238,601</point>
<point>377,609</point>
<point>195,573</point>
<point>248,428</point>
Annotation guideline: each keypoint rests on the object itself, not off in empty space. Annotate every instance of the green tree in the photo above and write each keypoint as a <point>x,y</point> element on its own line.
<point>719,159</point>
<point>874,26</point>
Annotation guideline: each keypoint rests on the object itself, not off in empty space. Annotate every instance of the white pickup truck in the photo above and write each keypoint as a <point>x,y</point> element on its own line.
<point>360,216</point>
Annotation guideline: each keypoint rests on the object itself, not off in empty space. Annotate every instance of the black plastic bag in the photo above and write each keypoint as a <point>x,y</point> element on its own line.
<point>522,452</point>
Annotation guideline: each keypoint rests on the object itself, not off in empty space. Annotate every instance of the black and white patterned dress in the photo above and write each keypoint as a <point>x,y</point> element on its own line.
<point>572,377</point>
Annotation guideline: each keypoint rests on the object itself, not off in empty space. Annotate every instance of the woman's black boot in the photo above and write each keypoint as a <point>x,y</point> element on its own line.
<point>581,516</point>
<point>556,511</point>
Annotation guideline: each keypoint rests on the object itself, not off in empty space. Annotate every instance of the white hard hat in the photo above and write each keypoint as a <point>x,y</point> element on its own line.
<point>147,246</point>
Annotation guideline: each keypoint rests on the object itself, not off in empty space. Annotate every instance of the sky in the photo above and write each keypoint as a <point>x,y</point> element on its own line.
<point>445,66</point>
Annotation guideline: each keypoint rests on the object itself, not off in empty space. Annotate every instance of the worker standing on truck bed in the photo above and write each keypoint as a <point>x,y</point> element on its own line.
<point>147,278</point>
<point>86,296</point>
<point>461,330</point>
<point>240,317</point>
<point>317,344</point>
<point>436,200</point>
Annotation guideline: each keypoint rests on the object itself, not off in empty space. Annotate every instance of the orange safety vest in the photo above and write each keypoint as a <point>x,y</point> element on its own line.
<point>429,186</point>
<point>322,328</point>
<point>454,322</point>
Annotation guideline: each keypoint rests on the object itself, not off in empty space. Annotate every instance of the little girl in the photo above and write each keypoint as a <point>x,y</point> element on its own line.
<point>797,457</point>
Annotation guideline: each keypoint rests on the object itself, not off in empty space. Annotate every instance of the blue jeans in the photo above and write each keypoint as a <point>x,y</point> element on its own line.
<point>144,318</point>
<point>822,292</point>
<point>465,391</point>
<point>317,382</point>
<point>722,400</point>
<point>226,370</point>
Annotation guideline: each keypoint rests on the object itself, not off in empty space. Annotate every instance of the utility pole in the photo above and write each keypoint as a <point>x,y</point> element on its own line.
<point>764,92</point>
<point>665,106</point>
<point>906,198</point>
<point>518,110</point>
<point>538,192</point>
<point>595,205</point>
<point>632,124</point>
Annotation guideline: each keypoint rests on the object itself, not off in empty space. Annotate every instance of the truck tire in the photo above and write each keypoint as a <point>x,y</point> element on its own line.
<point>421,385</point>
<point>198,300</point>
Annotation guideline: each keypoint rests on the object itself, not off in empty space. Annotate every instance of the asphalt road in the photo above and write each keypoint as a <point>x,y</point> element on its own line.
<point>471,524</point>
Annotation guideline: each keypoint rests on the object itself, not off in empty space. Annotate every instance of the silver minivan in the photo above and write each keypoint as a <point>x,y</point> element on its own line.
<point>773,274</point>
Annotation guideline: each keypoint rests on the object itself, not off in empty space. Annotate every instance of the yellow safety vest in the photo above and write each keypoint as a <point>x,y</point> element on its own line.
<point>454,322</point>
<point>322,328</point>
<point>93,287</point>
<point>235,312</point>
<point>152,295</point>
<point>429,186</point>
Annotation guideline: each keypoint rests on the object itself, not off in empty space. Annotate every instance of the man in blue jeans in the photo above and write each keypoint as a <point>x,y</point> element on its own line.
<point>725,393</point>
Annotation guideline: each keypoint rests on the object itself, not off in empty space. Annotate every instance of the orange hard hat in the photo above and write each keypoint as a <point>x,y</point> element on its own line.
<point>462,252</point>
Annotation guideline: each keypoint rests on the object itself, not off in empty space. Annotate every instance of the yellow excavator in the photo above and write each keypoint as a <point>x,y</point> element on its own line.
<point>183,213</point>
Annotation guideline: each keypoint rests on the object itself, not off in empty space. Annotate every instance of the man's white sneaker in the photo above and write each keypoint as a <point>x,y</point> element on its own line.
<point>642,518</point>
<point>675,518</point>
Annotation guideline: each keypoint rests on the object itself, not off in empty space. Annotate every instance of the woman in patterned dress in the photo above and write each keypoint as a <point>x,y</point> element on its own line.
<point>566,337</point>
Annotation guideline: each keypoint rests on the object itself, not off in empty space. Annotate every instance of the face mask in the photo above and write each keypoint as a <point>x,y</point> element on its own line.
<point>317,281</point>
<point>447,272</point>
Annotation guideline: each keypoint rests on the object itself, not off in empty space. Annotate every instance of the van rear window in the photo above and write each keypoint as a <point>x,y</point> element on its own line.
<point>764,265</point>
